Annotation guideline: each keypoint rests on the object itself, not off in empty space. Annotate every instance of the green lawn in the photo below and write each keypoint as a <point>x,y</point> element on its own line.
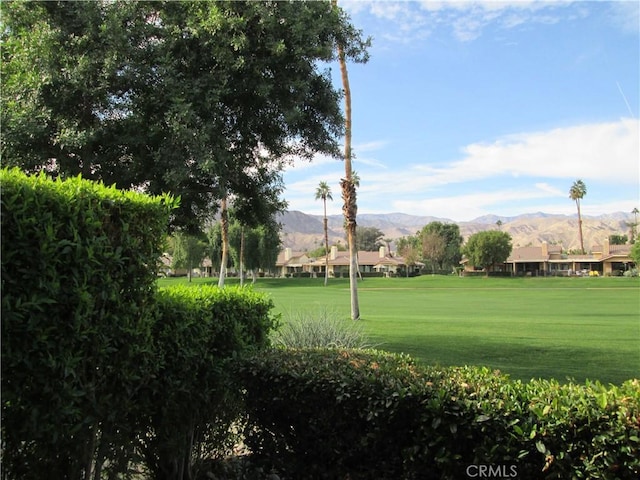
<point>574,328</point>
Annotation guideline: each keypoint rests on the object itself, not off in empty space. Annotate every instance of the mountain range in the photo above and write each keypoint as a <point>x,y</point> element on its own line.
<point>304,232</point>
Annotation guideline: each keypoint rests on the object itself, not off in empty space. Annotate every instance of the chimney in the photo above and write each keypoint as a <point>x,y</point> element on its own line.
<point>605,247</point>
<point>382,251</point>
<point>287,254</point>
<point>334,252</point>
<point>545,249</point>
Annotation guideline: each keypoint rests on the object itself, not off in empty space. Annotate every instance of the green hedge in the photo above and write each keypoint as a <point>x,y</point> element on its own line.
<point>190,404</point>
<point>78,284</point>
<point>367,414</point>
<point>101,372</point>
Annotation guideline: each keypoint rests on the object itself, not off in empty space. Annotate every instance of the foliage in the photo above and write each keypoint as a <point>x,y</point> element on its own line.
<point>433,249</point>
<point>188,252</point>
<point>384,416</point>
<point>189,406</point>
<point>635,253</point>
<point>410,251</point>
<point>261,245</point>
<point>324,328</point>
<point>369,239</point>
<point>78,281</point>
<point>488,248</point>
<point>450,233</point>
<point>203,99</point>
<point>618,239</point>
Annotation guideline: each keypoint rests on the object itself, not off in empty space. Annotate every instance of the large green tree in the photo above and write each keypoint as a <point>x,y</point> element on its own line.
<point>188,252</point>
<point>433,249</point>
<point>450,234</point>
<point>202,99</point>
<point>488,248</point>
<point>254,248</point>
<point>576,193</point>
<point>369,239</point>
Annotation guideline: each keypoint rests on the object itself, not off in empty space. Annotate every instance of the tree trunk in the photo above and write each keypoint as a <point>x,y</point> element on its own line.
<point>580,226</point>
<point>241,256</point>
<point>326,246</point>
<point>350,207</point>
<point>224,224</point>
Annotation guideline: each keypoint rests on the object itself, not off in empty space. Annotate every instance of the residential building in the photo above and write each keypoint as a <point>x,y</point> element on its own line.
<point>547,260</point>
<point>382,263</point>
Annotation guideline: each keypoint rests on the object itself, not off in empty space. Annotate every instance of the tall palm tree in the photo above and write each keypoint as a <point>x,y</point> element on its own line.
<point>633,226</point>
<point>577,192</point>
<point>350,207</point>
<point>323,192</point>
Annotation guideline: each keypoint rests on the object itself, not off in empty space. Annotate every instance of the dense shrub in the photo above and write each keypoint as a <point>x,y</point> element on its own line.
<point>366,414</point>
<point>78,284</point>
<point>100,370</point>
<point>189,406</point>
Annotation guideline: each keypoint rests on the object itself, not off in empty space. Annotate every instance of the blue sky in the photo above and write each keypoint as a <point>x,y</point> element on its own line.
<point>474,108</point>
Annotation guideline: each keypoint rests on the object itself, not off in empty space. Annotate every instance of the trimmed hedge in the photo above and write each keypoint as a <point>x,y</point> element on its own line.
<point>367,414</point>
<point>78,286</point>
<point>190,404</point>
<point>101,372</point>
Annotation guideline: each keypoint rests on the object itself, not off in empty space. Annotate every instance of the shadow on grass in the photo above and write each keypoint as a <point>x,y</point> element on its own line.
<point>519,360</point>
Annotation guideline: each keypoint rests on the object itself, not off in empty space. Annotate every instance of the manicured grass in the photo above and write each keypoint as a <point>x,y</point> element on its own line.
<point>563,328</point>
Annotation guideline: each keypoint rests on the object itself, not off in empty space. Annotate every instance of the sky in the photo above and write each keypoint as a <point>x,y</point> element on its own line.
<point>473,108</point>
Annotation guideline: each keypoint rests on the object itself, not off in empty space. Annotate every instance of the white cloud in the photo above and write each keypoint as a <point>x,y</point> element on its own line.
<point>510,175</point>
<point>603,151</point>
<point>626,16</point>
<point>409,21</point>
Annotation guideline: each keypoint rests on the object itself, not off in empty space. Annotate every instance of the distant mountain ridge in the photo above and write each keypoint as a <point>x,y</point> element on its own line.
<point>303,232</point>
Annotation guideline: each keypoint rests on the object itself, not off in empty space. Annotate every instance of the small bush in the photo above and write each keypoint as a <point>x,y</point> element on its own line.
<point>323,329</point>
<point>366,414</point>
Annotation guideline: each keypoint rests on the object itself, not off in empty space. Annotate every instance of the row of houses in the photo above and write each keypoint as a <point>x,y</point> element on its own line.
<point>605,259</point>
<point>544,260</point>
<point>290,263</point>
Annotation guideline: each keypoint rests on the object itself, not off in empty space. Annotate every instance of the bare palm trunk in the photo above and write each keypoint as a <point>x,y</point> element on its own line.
<point>350,207</point>
<point>224,224</point>
<point>580,226</point>
<point>326,246</point>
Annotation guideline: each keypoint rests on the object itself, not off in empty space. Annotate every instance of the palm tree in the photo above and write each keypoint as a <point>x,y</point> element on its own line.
<point>350,208</point>
<point>324,192</point>
<point>634,225</point>
<point>577,191</point>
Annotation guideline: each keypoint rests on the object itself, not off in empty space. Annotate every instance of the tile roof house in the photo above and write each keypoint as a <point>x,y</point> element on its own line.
<point>382,262</point>
<point>547,259</point>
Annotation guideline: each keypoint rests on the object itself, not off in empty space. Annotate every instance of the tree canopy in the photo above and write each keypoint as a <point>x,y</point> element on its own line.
<point>368,239</point>
<point>201,99</point>
<point>450,234</point>
<point>488,248</point>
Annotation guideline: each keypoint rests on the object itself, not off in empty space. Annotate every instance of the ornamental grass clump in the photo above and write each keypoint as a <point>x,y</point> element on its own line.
<point>322,329</point>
